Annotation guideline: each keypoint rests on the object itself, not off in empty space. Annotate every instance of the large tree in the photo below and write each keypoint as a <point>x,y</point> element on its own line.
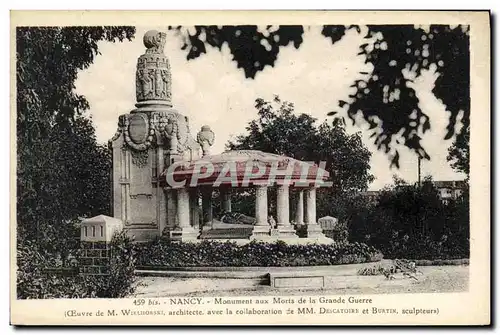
<point>278,129</point>
<point>398,53</point>
<point>459,152</point>
<point>62,172</point>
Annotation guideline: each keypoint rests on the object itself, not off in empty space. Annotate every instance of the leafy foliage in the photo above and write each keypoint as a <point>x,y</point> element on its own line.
<point>34,282</point>
<point>120,282</point>
<point>62,173</point>
<point>213,253</point>
<point>412,222</point>
<point>252,49</point>
<point>459,152</point>
<point>385,97</point>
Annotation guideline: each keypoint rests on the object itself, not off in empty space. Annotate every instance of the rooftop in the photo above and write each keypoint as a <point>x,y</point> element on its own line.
<point>243,168</point>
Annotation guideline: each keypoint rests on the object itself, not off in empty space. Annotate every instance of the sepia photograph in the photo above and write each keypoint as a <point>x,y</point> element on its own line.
<point>218,171</point>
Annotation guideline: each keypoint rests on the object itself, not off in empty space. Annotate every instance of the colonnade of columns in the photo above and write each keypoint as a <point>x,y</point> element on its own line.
<point>283,209</point>
<point>185,210</point>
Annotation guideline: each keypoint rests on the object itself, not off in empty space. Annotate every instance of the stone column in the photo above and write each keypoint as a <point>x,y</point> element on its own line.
<point>184,231</point>
<point>226,199</point>
<point>299,211</point>
<point>311,205</point>
<point>194,208</point>
<point>261,229</point>
<point>207,206</point>
<point>183,208</point>
<point>283,205</point>
<point>283,212</point>
<point>313,228</point>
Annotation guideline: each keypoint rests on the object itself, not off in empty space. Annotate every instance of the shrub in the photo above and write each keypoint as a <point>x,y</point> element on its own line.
<point>412,222</point>
<point>121,279</point>
<point>212,253</point>
<point>34,283</point>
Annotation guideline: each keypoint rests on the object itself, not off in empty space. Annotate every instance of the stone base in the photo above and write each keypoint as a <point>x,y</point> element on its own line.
<point>142,235</point>
<point>315,231</point>
<point>184,234</point>
<point>286,231</point>
<point>260,233</point>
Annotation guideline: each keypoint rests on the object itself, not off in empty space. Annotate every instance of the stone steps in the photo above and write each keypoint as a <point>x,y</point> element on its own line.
<point>227,233</point>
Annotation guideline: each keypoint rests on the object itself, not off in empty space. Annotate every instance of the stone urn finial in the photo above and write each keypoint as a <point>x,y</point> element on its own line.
<point>205,139</point>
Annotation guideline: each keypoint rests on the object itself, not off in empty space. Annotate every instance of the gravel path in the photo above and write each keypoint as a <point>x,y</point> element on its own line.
<point>434,279</point>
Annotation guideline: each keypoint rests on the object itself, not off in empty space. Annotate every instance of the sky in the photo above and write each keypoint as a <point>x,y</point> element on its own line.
<point>211,90</point>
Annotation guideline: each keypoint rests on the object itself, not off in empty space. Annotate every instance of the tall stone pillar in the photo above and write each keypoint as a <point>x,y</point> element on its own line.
<point>261,228</point>
<point>313,228</point>
<point>184,231</point>
<point>283,212</point>
<point>226,200</point>
<point>299,211</point>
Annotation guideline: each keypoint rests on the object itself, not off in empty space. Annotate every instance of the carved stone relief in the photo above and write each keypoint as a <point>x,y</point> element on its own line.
<point>153,76</point>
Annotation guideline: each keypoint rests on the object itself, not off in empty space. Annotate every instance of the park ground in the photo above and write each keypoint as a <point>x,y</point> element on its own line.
<point>434,279</point>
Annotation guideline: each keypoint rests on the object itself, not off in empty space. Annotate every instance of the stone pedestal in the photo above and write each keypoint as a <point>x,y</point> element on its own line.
<point>314,230</point>
<point>261,229</point>
<point>260,233</point>
<point>184,231</point>
<point>185,234</point>
<point>95,236</point>
<point>285,229</point>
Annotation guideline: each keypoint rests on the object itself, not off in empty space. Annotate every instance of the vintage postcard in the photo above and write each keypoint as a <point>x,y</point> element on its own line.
<point>228,168</point>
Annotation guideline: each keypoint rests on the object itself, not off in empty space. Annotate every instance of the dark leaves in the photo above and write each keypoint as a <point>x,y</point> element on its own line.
<point>59,164</point>
<point>395,160</point>
<point>336,32</point>
<point>251,48</point>
<point>386,96</point>
<point>395,48</point>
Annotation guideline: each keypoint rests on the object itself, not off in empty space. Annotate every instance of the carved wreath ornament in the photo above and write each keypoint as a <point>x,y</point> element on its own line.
<point>138,136</point>
<point>135,138</point>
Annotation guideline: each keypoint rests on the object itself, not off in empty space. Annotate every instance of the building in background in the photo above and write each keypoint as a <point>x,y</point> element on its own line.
<point>447,190</point>
<point>450,190</point>
<point>371,197</point>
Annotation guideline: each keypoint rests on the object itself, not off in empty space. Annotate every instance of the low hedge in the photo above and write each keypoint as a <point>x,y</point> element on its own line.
<point>211,253</point>
<point>37,279</point>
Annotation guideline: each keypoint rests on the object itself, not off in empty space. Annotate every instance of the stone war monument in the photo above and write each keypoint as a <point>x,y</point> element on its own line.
<point>154,137</point>
<point>149,138</point>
